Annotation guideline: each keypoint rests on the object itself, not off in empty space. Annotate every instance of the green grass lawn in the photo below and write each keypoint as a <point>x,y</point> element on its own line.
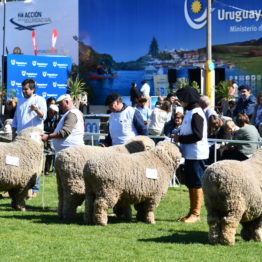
<point>39,235</point>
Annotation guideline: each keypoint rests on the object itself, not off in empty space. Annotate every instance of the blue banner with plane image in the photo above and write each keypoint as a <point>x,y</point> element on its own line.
<point>49,72</point>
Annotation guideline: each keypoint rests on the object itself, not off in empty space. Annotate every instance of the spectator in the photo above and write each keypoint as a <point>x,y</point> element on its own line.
<point>70,129</point>
<point>125,122</point>
<point>84,105</point>
<point>195,150</point>
<point>50,124</point>
<point>246,132</point>
<point>158,119</point>
<point>172,127</point>
<point>134,94</point>
<point>144,110</point>
<point>204,103</point>
<point>10,108</point>
<point>246,103</point>
<point>159,101</point>
<point>145,91</point>
<point>256,119</point>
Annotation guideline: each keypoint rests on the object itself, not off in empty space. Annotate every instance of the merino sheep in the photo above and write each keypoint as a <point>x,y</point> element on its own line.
<point>141,179</point>
<point>69,167</point>
<point>20,164</point>
<point>233,195</point>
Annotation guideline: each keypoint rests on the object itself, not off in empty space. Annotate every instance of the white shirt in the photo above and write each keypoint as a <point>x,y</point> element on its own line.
<point>26,117</point>
<point>145,89</point>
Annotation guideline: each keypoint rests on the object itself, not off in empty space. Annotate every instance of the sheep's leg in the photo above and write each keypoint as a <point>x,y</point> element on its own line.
<point>100,211</point>
<point>123,210</point>
<point>89,209</point>
<point>70,204</point>
<point>252,230</point>
<point>145,211</point>
<point>214,223</point>
<point>18,198</point>
<point>60,195</point>
<point>229,226</point>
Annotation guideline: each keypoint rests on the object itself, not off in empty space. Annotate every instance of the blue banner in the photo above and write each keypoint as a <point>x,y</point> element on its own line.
<point>49,72</point>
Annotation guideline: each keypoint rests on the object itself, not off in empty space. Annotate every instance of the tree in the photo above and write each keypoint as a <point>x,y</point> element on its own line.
<point>153,49</point>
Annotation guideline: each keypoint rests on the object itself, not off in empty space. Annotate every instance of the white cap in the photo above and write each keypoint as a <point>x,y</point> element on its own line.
<point>64,97</point>
<point>54,107</point>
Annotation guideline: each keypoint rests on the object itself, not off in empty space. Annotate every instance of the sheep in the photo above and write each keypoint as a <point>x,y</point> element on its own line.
<point>233,195</point>
<point>20,164</point>
<point>141,179</point>
<point>69,167</point>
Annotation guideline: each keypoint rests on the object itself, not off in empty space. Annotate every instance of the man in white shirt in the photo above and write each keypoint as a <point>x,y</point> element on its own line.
<point>31,109</point>
<point>145,91</point>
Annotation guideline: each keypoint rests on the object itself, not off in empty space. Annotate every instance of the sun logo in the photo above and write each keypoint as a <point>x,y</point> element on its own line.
<point>196,7</point>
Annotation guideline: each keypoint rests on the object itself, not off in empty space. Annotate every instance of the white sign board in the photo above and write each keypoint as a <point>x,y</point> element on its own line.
<point>43,17</point>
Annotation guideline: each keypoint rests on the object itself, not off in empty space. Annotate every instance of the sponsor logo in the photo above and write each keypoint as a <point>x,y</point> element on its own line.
<point>44,74</point>
<point>44,94</point>
<point>62,86</point>
<point>41,86</point>
<point>54,64</point>
<point>13,83</point>
<point>14,62</point>
<point>34,63</point>
<point>23,73</point>
<point>52,75</point>
<point>54,84</point>
<point>30,20</point>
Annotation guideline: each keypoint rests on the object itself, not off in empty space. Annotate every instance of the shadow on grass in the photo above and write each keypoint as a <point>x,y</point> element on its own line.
<point>182,237</point>
<point>51,217</point>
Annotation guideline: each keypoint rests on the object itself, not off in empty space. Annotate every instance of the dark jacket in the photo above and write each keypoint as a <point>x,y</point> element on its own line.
<point>246,106</point>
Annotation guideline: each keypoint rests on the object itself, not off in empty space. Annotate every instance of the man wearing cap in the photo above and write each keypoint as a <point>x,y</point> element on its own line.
<point>30,110</point>
<point>70,128</point>
<point>246,103</point>
<point>195,150</point>
<point>125,122</point>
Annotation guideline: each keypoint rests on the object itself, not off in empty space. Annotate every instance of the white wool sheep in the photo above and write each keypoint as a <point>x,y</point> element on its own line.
<point>233,195</point>
<point>141,179</point>
<point>69,167</point>
<point>20,164</point>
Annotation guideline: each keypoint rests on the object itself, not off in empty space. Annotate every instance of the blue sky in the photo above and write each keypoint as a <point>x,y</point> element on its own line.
<point>125,28</point>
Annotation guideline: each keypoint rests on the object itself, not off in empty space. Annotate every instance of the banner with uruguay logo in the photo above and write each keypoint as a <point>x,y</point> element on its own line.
<point>49,72</point>
<point>172,40</point>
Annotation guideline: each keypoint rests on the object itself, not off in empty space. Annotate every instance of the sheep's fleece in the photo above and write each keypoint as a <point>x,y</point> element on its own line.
<point>69,170</point>
<point>233,195</point>
<point>20,164</point>
<point>141,179</point>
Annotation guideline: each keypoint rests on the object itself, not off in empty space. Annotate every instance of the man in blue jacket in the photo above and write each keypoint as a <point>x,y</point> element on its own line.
<point>246,103</point>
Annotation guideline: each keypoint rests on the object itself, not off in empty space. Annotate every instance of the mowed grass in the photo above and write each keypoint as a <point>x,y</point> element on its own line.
<point>39,235</point>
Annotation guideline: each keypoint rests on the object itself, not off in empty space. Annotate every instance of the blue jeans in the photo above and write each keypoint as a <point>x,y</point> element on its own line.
<point>36,187</point>
<point>194,171</point>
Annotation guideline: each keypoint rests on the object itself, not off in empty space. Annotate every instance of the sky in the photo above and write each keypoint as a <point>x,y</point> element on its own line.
<point>125,28</point>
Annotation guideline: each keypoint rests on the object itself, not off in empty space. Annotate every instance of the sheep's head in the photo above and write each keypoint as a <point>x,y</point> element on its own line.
<point>168,153</point>
<point>139,144</point>
<point>30,133</point>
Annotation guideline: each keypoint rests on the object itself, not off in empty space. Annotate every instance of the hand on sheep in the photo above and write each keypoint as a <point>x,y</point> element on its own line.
<point>44,137</point>
<point>175,138</point>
